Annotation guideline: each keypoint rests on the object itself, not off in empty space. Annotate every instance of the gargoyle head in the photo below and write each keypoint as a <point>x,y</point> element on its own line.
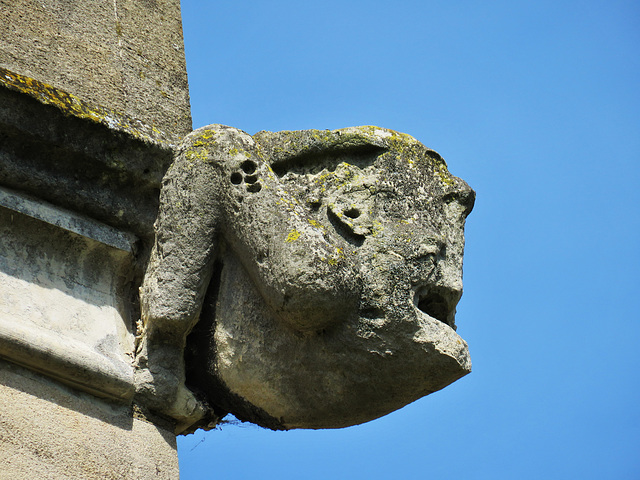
<point>332,276</point>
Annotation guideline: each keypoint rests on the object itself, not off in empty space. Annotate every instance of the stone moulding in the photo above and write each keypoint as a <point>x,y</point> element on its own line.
<point>79,187</point>
<point>58,350</point>
<point>69,361</point>
<point>67,220</point>
<point>84,158</point>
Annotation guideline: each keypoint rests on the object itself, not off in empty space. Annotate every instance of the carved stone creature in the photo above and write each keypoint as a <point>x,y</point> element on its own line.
<point>317,271</point>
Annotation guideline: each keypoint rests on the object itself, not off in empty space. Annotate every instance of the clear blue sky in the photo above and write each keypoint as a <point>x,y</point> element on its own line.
<point>536,104</point>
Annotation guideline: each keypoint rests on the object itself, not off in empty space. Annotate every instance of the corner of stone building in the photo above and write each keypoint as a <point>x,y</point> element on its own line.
<point>93,101</point>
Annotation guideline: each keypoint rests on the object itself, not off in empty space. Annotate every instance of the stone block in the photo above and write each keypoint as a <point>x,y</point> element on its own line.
<point>65,291</point>
<point>49,432</point>
<point>124,55</point>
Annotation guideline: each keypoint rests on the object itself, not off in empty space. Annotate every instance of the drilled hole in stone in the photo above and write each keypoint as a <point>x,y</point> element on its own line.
<point>236,178</point>
<point>255,187</point>
<point>352,212</point>
<point>248,166</point>
<point>251,179</point>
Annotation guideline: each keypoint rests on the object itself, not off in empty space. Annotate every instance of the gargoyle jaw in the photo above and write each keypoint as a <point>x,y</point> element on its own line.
<point>438,302</point>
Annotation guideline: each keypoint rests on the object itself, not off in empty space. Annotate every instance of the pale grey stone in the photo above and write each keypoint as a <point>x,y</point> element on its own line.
<point>324,268</point>
<point>52,432</point>
<point>64,280</point>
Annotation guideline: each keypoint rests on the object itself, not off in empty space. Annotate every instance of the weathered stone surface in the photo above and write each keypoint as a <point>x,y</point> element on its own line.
<point>64,281</point>
<point>83,157</point>
<point>93,99</point>
<point>324,268</point>
<point>51,432</point>
<point>125,55</point>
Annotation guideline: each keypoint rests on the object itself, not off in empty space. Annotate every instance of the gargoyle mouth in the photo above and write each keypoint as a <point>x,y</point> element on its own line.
<point>438,303</point>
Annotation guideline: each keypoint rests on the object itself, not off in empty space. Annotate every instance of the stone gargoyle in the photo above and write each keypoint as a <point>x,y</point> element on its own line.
<point>302,279</point>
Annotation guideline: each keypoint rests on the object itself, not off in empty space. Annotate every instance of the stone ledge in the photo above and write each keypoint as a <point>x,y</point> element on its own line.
<point>64,280</point>
<point>67,360</point>
<point>69,104</point>
<point>67,220</point>
<point>83,158</point>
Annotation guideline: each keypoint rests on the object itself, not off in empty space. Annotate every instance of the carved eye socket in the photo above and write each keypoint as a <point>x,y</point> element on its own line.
<point>352,212</point>
<point>345,230</point>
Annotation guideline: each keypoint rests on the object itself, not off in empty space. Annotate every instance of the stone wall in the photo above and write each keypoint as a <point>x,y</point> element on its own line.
<point>93,100</point>
<point>50,432</point>
<point>126,55</point>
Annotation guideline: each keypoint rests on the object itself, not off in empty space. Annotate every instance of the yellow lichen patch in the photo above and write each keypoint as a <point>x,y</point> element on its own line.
<point>445,176</point>
<point>316,223</point>
<point>198,153</point>
<point>293,236</point>
<point>71,105</point>
<point>324,136</point>
<point>324,177</point>
<point>289,202</point>
<point>207,134</point>
<point>335,258</point>
<point>377,228</point>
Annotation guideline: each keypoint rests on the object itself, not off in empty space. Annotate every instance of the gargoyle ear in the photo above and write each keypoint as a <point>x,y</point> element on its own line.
<point>291,151</point>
